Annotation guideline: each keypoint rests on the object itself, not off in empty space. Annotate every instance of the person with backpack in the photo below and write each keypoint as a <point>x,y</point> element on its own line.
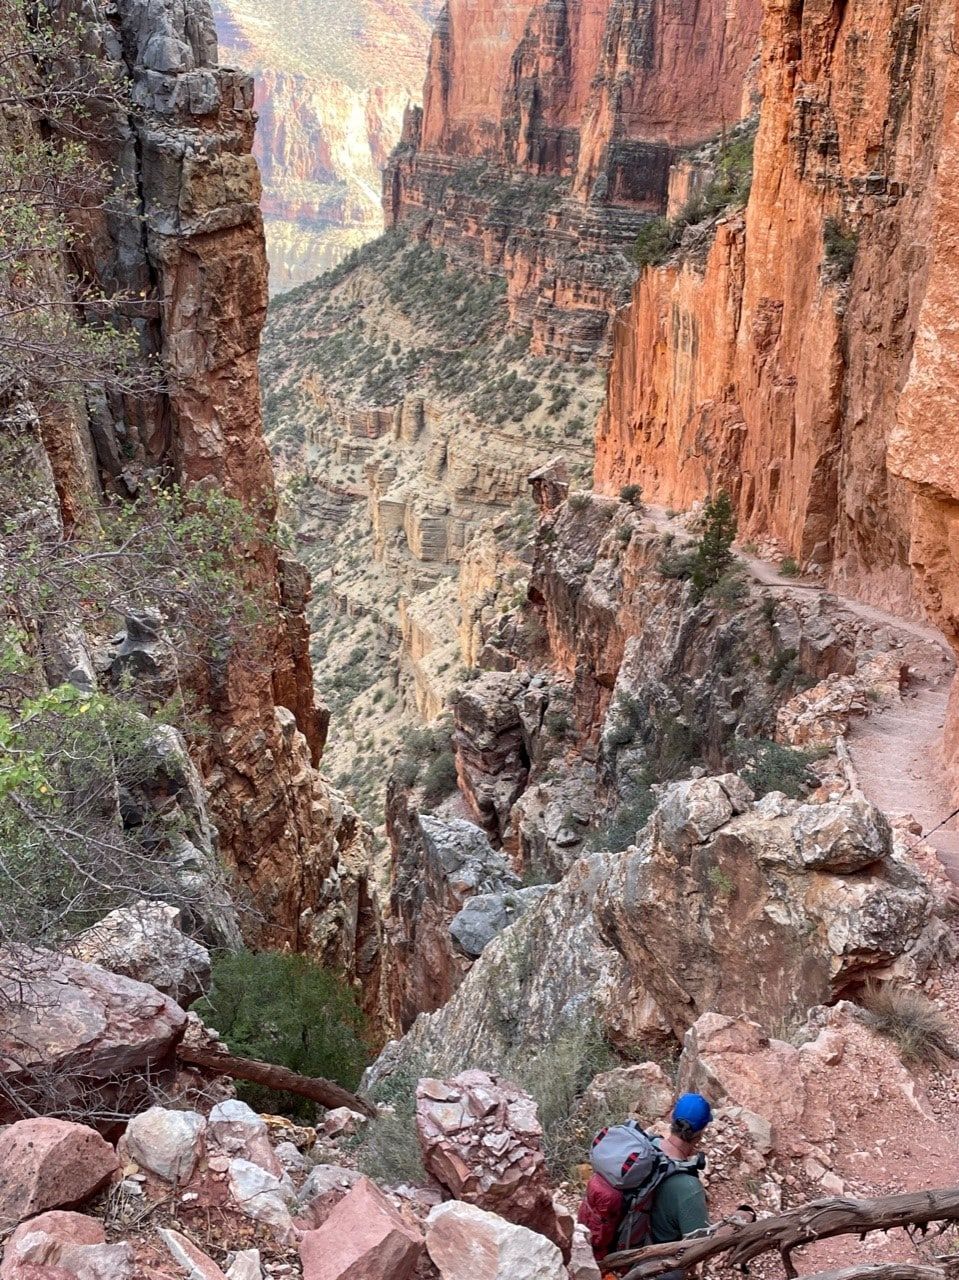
<point>645,1189</point>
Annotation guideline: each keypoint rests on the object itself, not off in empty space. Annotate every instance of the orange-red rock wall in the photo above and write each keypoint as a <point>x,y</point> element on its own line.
<point>758,369</point>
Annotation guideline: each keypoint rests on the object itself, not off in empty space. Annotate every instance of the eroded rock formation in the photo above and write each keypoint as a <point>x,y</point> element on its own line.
<point>806,381</point>
<point>546,138</point>
<point>184,233</point>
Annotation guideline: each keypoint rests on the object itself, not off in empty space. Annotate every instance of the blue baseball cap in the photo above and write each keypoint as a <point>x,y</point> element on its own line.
<point>694,1110</point>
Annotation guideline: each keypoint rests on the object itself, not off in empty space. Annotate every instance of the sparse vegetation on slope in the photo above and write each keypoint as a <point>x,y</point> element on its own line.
<point>286,1010</point>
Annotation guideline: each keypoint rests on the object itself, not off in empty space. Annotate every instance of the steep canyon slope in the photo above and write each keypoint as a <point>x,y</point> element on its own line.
<point>413,390</point>
<point>332,81</point>
<point>182,234</point>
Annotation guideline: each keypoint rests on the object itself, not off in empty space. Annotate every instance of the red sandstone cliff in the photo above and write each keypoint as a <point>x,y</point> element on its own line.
<point>761,369</point>
<point>546,138</point>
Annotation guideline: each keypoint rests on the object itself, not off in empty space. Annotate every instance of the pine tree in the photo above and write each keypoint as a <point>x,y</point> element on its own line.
<point>714,555</point>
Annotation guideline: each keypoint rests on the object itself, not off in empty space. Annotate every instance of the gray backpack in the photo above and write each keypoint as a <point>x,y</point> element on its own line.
<point>628,1159</point>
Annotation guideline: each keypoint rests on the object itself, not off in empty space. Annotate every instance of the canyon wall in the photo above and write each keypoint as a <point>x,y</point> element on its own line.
<point>546,139</point>
<point>183,232</point>
<point>331,87</point>
<point>772,361</point>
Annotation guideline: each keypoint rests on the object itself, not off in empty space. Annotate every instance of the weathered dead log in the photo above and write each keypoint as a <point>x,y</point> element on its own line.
<point>817,1220</point>
<point>882,1271</point>
<point>325,1092</point>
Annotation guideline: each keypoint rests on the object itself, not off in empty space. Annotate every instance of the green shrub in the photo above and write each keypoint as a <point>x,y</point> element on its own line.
<point>769,766</point>
<point>555,1078</point>
<point>579,501</point>
<point>840,245</point>
<point>789,567</point>
<point>389,1150</point>
<point>631,494</point>
<point>286,1010</point>
<point>714,551</point>
<point>655,242</point>
<point>439,780</point>
<point>783,666</point>
<point>921,1032</point>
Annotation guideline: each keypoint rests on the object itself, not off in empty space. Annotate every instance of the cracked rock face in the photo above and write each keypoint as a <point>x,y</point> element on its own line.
<point>483,1143</point>
<point>761,909</point>
<point>755,909</point>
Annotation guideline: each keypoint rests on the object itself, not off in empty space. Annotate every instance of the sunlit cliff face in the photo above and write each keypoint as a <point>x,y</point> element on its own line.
<point>332,80</point>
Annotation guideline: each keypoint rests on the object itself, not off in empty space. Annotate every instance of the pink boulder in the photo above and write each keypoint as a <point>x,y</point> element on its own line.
<point>64,1246</point>
<point>364,1238</point>
<point>48,1164</point>
<point>482,1142</point>
<point>72,1025</point>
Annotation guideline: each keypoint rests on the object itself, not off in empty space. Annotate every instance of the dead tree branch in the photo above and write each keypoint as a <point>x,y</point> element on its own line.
<point>818,1220</point>
<point>325,1092</point>
<point>882,1271</point>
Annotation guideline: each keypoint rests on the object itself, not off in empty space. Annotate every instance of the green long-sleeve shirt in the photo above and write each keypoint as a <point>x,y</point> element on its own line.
<point>679,1208</point>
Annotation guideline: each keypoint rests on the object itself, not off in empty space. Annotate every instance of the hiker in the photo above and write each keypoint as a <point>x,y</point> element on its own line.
<point>646,1189</point>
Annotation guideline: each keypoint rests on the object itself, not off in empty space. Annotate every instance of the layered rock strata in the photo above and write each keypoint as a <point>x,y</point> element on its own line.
<point>804,380</point>
<point>546,138</point>
<point>184,233</point>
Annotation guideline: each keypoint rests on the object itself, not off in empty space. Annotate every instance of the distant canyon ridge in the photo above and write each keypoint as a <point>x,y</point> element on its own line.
<point>332,80</point>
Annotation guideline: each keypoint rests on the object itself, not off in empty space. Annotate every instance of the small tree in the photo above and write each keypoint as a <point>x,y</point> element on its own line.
<point>714,554</point>
<point>287,1010</point>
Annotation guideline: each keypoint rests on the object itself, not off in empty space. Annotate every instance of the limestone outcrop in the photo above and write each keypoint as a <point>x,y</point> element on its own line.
<point>784,905</point>
<point>640,944</point>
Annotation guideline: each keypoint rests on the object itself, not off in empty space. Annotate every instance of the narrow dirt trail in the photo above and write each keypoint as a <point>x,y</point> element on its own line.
<point>897,749</point>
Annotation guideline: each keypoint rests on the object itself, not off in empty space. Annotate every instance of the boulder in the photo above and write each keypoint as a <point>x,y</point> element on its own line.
<point>167,1143</point>
<point>582,1261</point>
<point>65,1246</point>
<point>364,1238</point>
<point>467,1243</point>
<point>262,1195</point>
<point>481,918</point>
<point>246,1265</point>
<point>97,1029</point>
<point>323,1190</point>
<point>844,837</point>
<point>642,1090</point>
<point>483,1144</point>
<point>235,1129</point>
<point>193,1262</point>
<point>341,1122</point>
<point>49,1164</point>
<point>145,941</point>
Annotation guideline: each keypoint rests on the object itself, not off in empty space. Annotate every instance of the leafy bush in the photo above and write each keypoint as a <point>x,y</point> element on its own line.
<point>631,494</point>
<point>769,766</point>
<point>789,567</point>
<point>439,780</point>
<point>920,1030</point>
<point>286,1010</point>
<point>840,245</point>
<point>555,1078</point>
<point>728,188</point>
<point>579,501</point>
<point>656,241</point>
